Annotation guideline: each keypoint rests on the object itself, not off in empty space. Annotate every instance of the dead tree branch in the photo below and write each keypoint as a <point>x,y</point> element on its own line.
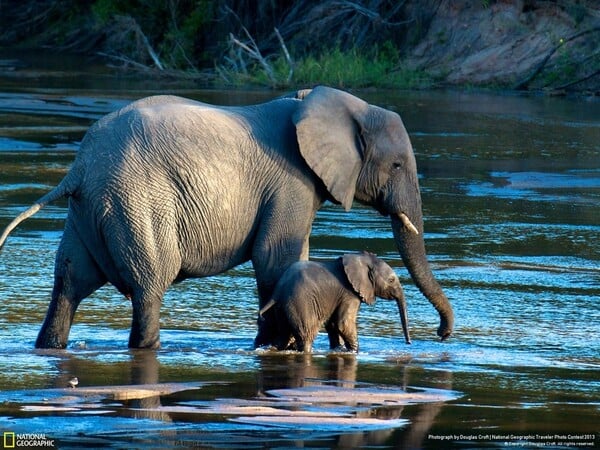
<point>579,80</point>
<point>126,29</point>
<point>253,51</point>
<point>125,60</point>
<point>286,53</point>
<point>524,83</point>
<point>347,6</point>
<point>150,50</point>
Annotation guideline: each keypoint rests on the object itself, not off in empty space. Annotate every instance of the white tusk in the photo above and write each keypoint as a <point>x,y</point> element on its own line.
<point>407,223</point>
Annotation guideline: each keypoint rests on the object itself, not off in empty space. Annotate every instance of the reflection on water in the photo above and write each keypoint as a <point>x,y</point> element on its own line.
<point>511,189</point>
<point>580,186</point>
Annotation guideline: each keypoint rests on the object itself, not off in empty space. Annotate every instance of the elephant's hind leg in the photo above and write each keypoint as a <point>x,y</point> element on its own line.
<point>76,276</point>
<point>145,325</point>
<point>335,340</point>
<point>147,278</point>
<point>304,338</point>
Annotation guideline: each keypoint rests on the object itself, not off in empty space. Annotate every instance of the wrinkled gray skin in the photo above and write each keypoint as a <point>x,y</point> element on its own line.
<point>312,294</point>
<point>169,188</point>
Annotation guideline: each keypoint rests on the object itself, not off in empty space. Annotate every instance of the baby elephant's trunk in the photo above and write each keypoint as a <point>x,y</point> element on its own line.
<point>401,302</point>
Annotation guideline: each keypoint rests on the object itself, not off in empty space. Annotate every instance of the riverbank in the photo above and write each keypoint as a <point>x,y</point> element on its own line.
<point>524,45</point>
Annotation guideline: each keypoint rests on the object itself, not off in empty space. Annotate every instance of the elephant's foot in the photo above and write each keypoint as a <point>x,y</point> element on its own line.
<point>265,337</point>
<point>344,349</point>
<point>52,341</point>
<point>55,330</point>
<point>148,343</point>
<point>149,337</point>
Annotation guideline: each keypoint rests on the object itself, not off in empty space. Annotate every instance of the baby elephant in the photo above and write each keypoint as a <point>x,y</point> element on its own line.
<point>310,294</point>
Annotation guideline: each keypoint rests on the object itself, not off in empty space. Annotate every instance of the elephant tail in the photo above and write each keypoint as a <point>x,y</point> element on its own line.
<point>263,310</point>
<point>67,187</point>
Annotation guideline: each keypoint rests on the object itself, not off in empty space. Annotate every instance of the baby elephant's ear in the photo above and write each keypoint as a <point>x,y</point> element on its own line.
<point>357,270</point>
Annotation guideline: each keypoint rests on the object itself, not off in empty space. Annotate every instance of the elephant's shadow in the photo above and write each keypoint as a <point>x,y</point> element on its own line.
<point>292,370</point>
<point>280,371</point>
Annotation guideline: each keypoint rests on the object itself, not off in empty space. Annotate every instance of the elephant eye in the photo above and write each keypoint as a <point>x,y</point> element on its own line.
<point>397,165</point>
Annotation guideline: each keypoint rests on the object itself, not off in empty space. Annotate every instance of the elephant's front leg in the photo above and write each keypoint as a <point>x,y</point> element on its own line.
<point>350,337</point>
<point>274,251</point>
<point>346,324</point>
<point>267,331</point>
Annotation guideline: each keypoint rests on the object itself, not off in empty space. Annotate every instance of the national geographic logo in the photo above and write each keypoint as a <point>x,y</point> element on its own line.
<point>27,440</point>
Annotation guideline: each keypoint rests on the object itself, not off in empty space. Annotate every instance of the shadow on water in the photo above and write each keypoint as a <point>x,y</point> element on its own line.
<point>511,188</point>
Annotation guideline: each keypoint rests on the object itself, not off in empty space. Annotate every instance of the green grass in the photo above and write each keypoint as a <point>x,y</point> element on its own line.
<point>344,69</point>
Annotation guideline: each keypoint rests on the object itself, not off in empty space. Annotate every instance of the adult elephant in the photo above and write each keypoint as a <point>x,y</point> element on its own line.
<point>169,188</point>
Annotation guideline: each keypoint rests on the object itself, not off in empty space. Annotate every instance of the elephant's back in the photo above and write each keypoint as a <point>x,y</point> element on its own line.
<point>162,137</point>
<point>156,124</point>
<point>172,132</point>
<point>303,277</point>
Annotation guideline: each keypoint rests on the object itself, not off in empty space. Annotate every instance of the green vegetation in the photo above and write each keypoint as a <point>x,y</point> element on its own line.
<point>353,68</point>
<point>344,69</point>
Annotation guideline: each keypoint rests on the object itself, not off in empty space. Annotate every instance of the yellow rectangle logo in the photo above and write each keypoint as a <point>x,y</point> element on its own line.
<point>9,439</point>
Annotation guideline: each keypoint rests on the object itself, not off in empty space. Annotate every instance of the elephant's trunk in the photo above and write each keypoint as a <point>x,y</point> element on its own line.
<point>412,249</point>
<point>401,302</point>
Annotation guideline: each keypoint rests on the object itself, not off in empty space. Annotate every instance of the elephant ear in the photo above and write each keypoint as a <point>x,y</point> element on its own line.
<point>358,270</point>
<point>328,127</point>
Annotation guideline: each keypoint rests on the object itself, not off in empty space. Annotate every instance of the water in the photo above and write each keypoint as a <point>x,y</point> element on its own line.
<point>511,193</point>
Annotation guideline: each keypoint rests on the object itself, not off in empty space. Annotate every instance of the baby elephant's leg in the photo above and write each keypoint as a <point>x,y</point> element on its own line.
<point>303,344</point>
<point>304,337</point>
<point>350,337</point>
<point>335,339</point>
<point>346,324</point>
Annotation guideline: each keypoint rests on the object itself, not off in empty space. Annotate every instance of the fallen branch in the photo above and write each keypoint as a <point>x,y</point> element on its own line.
<point>347,6</point>
<point>151,51</point>
<point>140,34</point>
<point>580,80</point>
<point>120,33</point>
<point>255,53</point>
<point>286,54</point>
<point>125,60</point>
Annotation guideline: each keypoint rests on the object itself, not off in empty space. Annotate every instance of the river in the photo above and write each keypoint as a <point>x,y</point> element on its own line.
<point>511,195</point>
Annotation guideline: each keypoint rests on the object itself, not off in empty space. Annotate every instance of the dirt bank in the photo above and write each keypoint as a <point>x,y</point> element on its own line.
<point>518,44</point>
